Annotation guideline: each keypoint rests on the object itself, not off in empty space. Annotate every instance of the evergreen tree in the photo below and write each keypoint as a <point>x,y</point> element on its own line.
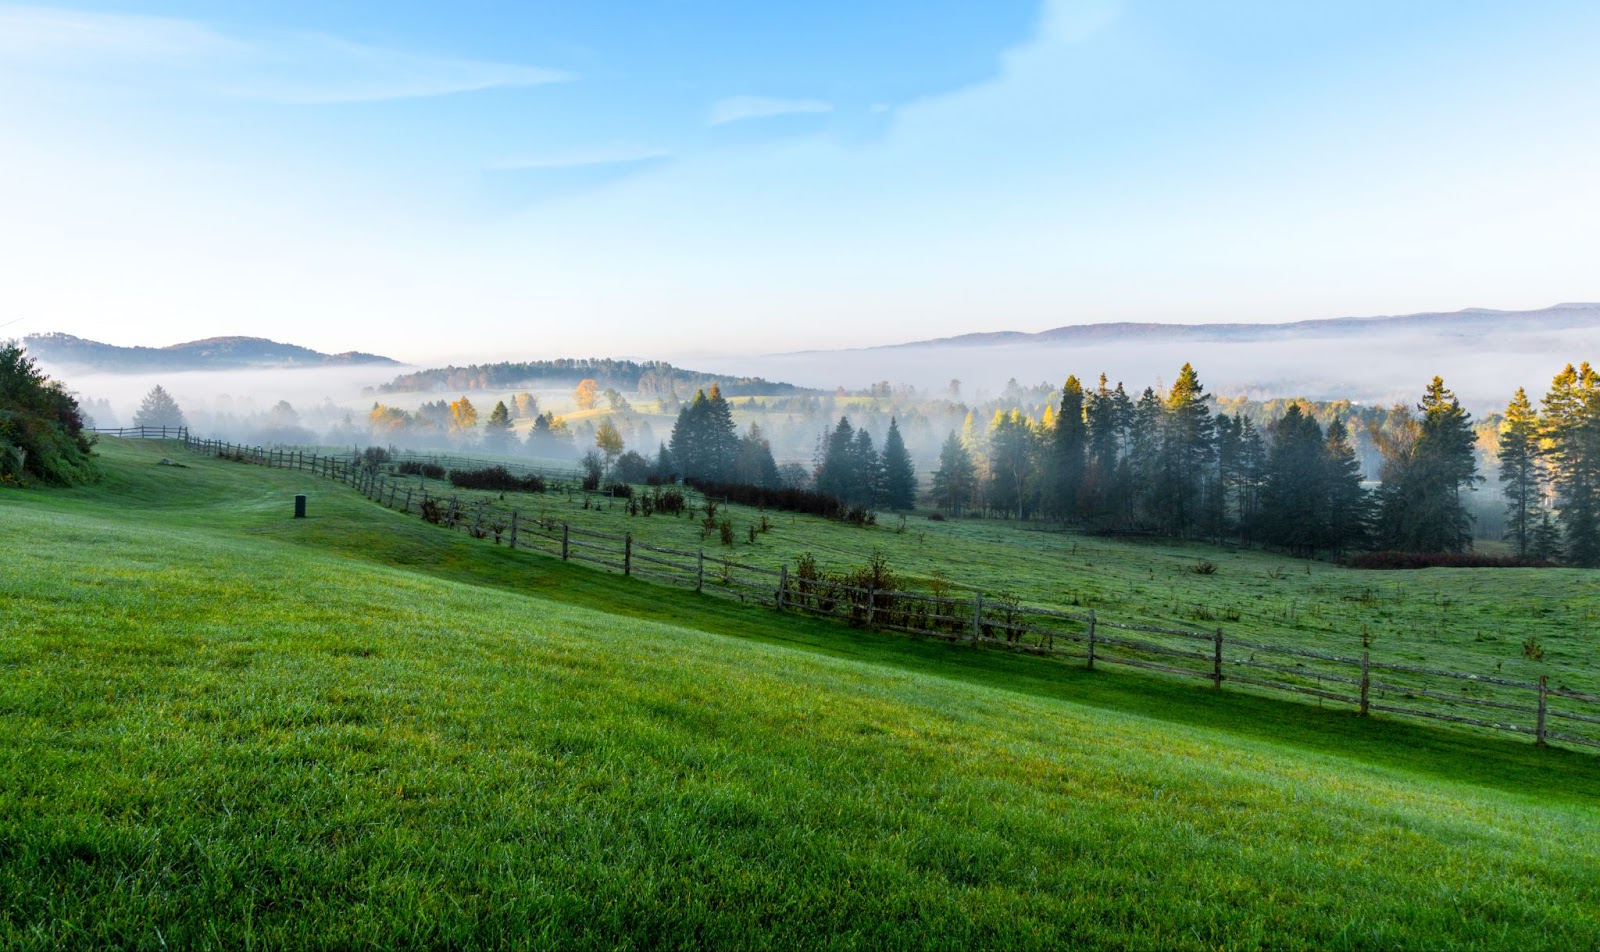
<point>721,435</point>
<point>1069,441</point>
<point>1294,498</point>
<point>497,432</point>
<point>1520,470</point>
<point>867,467</point>
<point>686,438</point>
<point>1348,506</point>
<point>899,475</point>
<point>1421,505</point>
<point>1013,448</point>
<point>158,409</point>
<point>955,478</point>
<point>755,465</point>
<point>1570,429</point>
<point>1544,542</point>
<point>1184,454</point>
<point>837,476</point>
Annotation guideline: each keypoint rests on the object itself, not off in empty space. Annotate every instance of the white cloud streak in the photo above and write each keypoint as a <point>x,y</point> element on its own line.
<point>739,108</point>
<point>293,69</point>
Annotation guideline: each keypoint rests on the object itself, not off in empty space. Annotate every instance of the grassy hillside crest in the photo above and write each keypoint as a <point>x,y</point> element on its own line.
<point>222,726</point>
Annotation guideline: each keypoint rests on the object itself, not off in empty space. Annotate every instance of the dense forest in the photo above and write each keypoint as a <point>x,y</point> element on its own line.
<point>651,378</point>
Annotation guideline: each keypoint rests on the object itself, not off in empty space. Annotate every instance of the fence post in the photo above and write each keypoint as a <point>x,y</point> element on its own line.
<point>627,553</point>
<point>514,528</point>
<point>977,616</point>
<point>1539,729</point>
<point>783,583</point>
<point>700,571</point>
<point>1366,683</point>
<point>407,509</point>
<point>1216,662</point>
<point>564,528</point>
<point>1091,640</point>
<point>872,597</point>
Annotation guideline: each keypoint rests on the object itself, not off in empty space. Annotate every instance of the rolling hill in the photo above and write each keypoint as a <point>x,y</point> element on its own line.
<point>213,353</point>
<point>224,727</point>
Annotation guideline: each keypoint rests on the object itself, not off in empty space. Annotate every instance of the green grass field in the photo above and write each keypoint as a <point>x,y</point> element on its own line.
<point>223,727</point>
<point>1467,620</point>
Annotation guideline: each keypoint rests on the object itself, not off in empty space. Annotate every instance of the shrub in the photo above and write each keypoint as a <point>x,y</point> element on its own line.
<point>788,499</point>
<point>1204,567</point>
<point>41,427</point>
<point>496,478</point>
<point>1442,560</point>
<point>620,491</point>
<point>413,467</point>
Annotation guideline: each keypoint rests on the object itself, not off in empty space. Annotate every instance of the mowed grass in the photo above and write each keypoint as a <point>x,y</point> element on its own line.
<point>223,727</point>
<point>1474,621</point>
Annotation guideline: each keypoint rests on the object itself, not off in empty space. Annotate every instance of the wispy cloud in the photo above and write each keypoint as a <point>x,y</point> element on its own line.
<point>582,158</point>
<point>738,108</point>
<point>291,68</point>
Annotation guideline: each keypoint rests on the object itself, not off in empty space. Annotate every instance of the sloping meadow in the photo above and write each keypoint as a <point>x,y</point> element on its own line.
<point>215,729</point>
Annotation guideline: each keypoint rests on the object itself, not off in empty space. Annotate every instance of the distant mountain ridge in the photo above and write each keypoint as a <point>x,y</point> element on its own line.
<point>1469,322</point>
<point>213,353</point>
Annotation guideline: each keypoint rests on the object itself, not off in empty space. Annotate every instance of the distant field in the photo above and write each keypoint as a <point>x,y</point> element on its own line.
<point>1467,620</point>
<point>221,727</point>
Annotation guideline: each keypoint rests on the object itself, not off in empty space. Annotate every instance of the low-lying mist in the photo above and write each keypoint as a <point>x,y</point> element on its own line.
<point>1484,371</point>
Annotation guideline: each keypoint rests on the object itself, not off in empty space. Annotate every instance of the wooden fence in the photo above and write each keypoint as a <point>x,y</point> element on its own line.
<point>1536,709</point>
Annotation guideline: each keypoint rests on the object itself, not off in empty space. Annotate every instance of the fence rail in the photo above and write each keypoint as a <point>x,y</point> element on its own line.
<point>1401,689</point>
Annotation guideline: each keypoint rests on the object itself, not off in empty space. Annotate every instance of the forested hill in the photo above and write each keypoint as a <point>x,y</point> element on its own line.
<point>649,378</point>
<point>213,353</point>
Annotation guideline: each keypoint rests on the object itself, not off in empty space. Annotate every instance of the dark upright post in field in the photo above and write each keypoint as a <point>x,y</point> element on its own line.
<point>1366,683</point>
<point>1091,639</point>
<point>627,553</point>
<point>1216,662</point>
<point>564,528</point>
<point>783,583</point>
<point>300,506</point>
<point>514,528</point>
<point>977,616</point>
<point>1539,728</point>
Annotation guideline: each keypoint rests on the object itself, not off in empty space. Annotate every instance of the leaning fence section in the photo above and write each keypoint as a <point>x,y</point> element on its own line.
<point>1536,709</point>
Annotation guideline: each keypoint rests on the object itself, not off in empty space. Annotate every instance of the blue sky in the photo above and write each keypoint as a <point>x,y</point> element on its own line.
<point>677,178</point>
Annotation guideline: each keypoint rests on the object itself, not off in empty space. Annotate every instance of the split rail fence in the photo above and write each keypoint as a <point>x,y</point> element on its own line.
<point>1547,713</point>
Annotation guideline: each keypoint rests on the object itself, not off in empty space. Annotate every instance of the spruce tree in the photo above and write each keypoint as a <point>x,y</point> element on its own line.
<point>1069,441</point>
<point>755,465</point>
<point>497,432</point>
<point>837,476</point>
<point>158,409</point>
<point>1185,450</point>
<point>1570,429</point>
<point>1348,512</point>
<point>1013,451</point>
<point>1426,467</point>
<point>1520,470</point>
<point>899,475</point>
<point>721,436</point>
<point>1293,498</point>
<point>867,468</point>
<point>953,481</point>
<point>690,454</point>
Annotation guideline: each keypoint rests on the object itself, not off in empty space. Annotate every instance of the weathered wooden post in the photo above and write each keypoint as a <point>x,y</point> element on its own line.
<point>700,571</point>
<point>977,616</point>
<point>514,515</point>
<point>564,529</point>
<point>1539,732</point>
<point>1366,682</point>
<point>627,553</point>
<point>1216,662</point>
<point>783,584</point>
<point>300,506</point>
<point>872,596</point>
<point>1091,639</point>
<point>407,509</point>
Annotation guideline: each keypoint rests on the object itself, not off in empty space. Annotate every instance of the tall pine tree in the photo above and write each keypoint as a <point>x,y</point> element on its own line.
<point>1571,432</point>
<point>899,475</point>
<point>1520,470</point>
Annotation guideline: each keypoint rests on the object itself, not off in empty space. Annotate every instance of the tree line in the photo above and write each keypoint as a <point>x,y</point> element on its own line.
<point>1166,463</point>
